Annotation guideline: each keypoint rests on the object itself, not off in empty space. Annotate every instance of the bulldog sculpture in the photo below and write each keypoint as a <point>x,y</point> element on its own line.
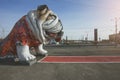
<point>32,30</point>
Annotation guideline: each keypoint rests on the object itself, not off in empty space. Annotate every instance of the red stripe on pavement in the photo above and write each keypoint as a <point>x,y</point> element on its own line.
<point>81,59</point>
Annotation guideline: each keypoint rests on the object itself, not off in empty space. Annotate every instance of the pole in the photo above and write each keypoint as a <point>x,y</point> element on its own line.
<point>116,31</point>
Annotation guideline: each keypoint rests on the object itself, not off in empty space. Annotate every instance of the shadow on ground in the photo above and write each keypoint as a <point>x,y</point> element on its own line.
<point>11,61</point>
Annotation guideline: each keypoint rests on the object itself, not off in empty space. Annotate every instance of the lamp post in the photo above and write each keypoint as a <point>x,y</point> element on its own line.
<point>116,30</point>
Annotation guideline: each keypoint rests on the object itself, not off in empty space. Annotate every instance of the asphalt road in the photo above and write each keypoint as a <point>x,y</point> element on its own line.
<point>66,71</point>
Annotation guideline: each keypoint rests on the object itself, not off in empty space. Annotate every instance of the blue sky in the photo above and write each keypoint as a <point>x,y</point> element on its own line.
<point>79,17</point>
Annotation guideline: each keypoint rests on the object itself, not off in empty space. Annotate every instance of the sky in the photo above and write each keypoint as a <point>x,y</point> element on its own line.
<point>79,17</point>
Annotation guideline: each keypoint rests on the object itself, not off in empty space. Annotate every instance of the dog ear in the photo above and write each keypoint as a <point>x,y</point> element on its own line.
<point>42,7</point>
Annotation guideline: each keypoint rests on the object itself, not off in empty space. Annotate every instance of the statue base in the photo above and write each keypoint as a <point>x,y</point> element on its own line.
<point>29,63</point>
<point>15,61</point>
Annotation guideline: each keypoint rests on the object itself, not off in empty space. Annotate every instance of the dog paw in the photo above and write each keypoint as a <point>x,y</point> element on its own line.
<point>41,50</point>
<point>29,57</point>
<point>24,53</point>
<point>26,57</point>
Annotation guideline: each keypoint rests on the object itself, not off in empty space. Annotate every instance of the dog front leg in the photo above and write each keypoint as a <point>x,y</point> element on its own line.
<point>23,52</point>
<point>41,51</point>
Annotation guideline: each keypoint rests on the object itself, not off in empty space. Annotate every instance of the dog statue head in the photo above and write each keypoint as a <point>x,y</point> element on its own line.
<point>52,25</point>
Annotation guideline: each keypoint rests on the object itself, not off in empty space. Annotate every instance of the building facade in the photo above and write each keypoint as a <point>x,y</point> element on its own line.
<point>114,38</point>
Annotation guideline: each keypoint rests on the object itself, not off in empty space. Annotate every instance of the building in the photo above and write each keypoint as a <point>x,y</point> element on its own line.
<point>114,38</point>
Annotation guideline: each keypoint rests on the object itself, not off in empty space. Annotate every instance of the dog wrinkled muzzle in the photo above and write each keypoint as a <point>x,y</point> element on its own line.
<point>53,25</point>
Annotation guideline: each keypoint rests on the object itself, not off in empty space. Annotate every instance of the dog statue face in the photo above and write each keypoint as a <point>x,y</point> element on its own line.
<point>32,30</point>
<point>53,27</point>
